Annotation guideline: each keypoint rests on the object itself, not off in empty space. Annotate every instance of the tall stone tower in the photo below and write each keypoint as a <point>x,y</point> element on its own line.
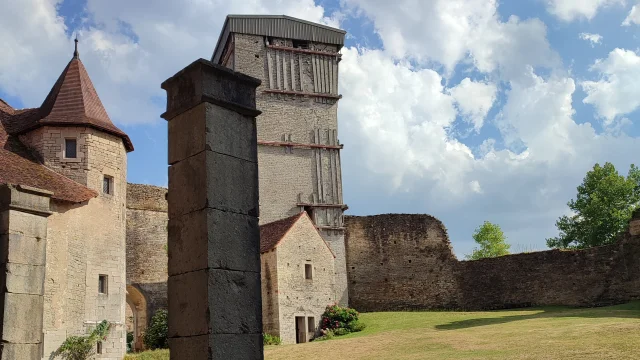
<point>298,147</point>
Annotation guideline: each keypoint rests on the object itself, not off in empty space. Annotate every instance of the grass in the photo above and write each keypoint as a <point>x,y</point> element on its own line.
<point>537,333</point>
<point>149,355</point>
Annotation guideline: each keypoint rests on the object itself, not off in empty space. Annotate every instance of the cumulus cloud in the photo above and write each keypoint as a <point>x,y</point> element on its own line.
<point>592,38</point>
<point>616,92</point>
<point>633,17</point>
<point>474,99</point>
<point>447,32</point>
<point>569,10</point>
<point>129,48</point>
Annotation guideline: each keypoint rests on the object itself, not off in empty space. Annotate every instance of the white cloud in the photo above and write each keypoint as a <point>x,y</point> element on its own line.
<point>569,10</point>
<point>592,38</point>
<point>616,92</point>
<point>633,17</point>
<point>474,100</point>
<point>448,32</point>
<point>126,67</point>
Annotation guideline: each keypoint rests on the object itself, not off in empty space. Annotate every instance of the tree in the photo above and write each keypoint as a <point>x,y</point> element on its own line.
<point>601,210</point>
<point>492,242</point>
<point>156,335</point>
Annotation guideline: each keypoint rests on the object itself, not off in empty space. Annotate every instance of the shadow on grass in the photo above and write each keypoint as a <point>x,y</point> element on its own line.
<point>629,310</point>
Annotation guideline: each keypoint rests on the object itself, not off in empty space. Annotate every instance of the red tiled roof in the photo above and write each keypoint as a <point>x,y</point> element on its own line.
<point>273,232</point>
<point>19,167</point>
<point>72,101</point>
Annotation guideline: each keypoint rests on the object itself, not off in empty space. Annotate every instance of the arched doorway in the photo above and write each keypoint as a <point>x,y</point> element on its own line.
<point>136,316</point>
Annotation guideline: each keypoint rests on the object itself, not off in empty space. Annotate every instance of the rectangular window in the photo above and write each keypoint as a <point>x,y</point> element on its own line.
<point>311,323</point>
<point>107,185</point>
<point>70,148</point>
<point>300,44</point>
<point>308,270</point>
<point>99,349</point>
<point>102,284</point>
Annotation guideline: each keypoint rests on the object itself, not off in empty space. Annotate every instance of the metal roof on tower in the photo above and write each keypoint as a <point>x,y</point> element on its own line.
<point>280,26</point>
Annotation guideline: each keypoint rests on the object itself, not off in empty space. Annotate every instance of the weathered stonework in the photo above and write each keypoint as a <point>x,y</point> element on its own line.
<point>401,262</point>
<point>215,310</point>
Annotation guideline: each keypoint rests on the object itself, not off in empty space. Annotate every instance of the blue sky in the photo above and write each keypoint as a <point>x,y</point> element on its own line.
<point>451,108</point>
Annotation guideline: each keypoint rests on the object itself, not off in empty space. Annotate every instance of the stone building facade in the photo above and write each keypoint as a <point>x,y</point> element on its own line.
<point>69,148</point>
<point>297,278</point>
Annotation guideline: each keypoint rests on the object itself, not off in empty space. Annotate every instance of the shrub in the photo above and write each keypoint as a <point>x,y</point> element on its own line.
<point>356,326</point>
<point>156,335</point>
<point>269,339</point>
<point>341,331</point>
<point>129,341</point>
<point>83,347</point>
<point>327,334</point>
<point>335,317</point>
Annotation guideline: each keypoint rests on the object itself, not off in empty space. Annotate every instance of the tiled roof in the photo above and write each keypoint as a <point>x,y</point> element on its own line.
<point>18,166</point>
<point>273,232</point>
<point>72,101</point>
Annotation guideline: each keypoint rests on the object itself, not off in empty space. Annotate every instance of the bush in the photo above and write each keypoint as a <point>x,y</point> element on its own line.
<point>335,317</point>
<point>356,326</point>
<point>269,339</point>
<point>341,331</point>
<point>156,335</point>
<point>83,347</point>
<point>327,334</point>
<point>129,341</point>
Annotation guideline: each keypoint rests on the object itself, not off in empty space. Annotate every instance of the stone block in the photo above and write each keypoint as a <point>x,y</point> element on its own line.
<point>22,249</point>
<point>188,304</point>
<point>235,301</point>
<point>22,318</point>
<point>12,351</point>
<point>211,127</point>
<point>192,348</point>
<point>25,197</point>
<point>25,279</point>
<point>213,180</point>
<point>27,224</point>
<point>211,238</point>
<point>203,80</point>
<point>237,346</point>
<point>634,227</point>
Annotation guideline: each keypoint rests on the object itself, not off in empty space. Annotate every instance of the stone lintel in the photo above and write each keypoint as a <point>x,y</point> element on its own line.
<point>204,81</point>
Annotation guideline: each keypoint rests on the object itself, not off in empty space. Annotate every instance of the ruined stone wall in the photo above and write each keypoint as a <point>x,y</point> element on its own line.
<point>299,296</point>
<point>146,244</point>
<point>399,262</point>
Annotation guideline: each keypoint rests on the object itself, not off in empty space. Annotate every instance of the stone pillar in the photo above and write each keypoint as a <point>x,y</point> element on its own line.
<point>215,307</point>
<point>23,243</point>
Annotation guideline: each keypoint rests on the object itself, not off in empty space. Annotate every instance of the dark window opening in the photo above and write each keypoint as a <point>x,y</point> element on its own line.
<point>99,349</point>
<point>311,323</point>
<point>301,44</point>
<point>107,185</point>
<point>102,284</point>
<point>308,270</point>
<point>70,148</point>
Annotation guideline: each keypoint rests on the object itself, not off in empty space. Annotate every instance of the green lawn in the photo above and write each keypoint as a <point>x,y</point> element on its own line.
<point>544,333</point>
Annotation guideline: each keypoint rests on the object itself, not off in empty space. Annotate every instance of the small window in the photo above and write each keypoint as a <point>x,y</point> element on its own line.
<point>301,44</point>
<point>308,270</point>
<point>102,284</point>
<point>99,347</point>
<point>70,148</point>
<point>107,185</point>
<point>311,324</point>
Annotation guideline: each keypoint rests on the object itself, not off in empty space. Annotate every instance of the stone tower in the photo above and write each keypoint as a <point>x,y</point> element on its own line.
<point>298,147</point>
<point>72,135</point>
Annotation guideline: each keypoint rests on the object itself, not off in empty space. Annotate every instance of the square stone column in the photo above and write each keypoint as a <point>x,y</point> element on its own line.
<point>214,294</point>
<point>23,243</point>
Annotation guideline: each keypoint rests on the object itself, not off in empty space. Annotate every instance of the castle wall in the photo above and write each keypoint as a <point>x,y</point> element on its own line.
<point>299,296</point>
<point>88,240</point>
<point>270,290</point>
<point>400,262</point>
<point>146,244</point>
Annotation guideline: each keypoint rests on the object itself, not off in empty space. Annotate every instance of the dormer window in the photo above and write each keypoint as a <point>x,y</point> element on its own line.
<point>70,148</point>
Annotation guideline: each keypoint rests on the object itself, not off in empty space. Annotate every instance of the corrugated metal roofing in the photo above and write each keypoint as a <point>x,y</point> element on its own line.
<point>280,26</point>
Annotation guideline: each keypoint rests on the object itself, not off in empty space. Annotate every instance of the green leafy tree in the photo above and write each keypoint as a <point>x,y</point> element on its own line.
<point>156,335</point>
<point>83,347</point>
<point>602,208</point>
<point>492,242</point>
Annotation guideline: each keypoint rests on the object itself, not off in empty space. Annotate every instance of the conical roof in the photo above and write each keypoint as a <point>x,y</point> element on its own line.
<point>73,101</point>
